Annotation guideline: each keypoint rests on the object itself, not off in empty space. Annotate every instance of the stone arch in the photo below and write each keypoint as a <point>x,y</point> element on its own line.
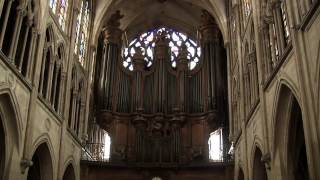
<point>289,147</point>
<point>11,129</point>
<point>42,167</point>
<point>10,115</point>
<point>216,10</point>
<point>240,174</point>
<point>69,172</point>
<point>2,149</point>
<point>258,167</point>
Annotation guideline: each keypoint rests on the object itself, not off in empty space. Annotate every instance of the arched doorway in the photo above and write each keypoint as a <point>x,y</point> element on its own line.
<point>42,164</point>
<point>259,170</point>
<point>297,155</point>
<point>241,174</point>
<point>2,149</point>
<point>69,173</point>
<point>290,148</point>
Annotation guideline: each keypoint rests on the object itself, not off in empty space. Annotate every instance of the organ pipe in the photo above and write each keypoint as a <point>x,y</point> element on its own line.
<point>157,106</point>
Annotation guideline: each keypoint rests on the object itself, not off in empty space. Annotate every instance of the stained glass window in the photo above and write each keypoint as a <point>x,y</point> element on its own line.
<point>82,30</point>
<point>60,8</point>
<point>53,5</point>
<point>274,45</point>
<point>215,145</point>
<point>146,41</point>
<point>246,7</point>
<point>285,23</point>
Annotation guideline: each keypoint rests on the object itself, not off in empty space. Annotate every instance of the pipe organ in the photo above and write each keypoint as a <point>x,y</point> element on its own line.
<point>160,113</point>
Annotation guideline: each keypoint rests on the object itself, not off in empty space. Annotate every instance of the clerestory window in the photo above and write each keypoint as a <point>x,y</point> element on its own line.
<point>60,9</point>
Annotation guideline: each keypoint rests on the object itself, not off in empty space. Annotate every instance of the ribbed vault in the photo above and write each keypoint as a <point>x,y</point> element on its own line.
<point>139,15</point>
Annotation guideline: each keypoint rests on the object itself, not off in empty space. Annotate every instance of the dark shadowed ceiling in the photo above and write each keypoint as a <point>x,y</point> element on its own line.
<point>140,15</point>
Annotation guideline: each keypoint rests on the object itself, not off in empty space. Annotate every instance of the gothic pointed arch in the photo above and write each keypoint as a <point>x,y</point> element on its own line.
<point>240,174</point>
<point>11,117</point>
<point>2,149</point>
<point>69,173</point>
<point>47,59</point>
<point>258,166</point>
<point>289,148</point>
<point>42,167</point>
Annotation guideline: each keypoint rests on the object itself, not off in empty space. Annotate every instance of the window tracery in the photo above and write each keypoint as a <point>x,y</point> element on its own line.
<point>276,36</point>
<point>82,32</point>
<point>285,23</point>
<point>18,34</point>
<point>51,81</point>
<point>146,41</point>
<point>60,9</point>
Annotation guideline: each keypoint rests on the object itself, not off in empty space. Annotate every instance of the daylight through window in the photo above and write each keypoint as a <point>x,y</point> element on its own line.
<point>146,41</point>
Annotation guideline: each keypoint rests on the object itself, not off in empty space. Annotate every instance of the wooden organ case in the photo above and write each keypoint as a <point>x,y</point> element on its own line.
<point>160,114</point>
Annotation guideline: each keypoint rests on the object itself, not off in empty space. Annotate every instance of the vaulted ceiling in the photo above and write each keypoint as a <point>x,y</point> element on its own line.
<point>140,15</point>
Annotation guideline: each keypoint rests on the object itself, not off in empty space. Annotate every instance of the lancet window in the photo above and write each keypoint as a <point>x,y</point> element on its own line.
<point>106,147</point>
<point>215,144</point>
<point>60,9</point>
<point>18,40</point>
<point>51,81</point>
<point>146,41</point>
<point>276,35</point>
<point>47,60</point>
<point>82,32</point>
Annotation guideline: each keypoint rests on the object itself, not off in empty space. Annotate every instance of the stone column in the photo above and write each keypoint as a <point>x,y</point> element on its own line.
<point>32,54</point>
<point>43,63</point>
<point>63,90</point>
<point>50,77</point>
<point>74,108</point>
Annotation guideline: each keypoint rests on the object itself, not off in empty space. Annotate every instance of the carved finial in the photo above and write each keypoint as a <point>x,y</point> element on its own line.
<point>138,52</point>
<point>183,52</point>
<point>161,38</point>
<point>162,45</point>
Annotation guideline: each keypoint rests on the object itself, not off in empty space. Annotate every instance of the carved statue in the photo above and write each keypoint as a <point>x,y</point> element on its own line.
<point>114,20</point>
